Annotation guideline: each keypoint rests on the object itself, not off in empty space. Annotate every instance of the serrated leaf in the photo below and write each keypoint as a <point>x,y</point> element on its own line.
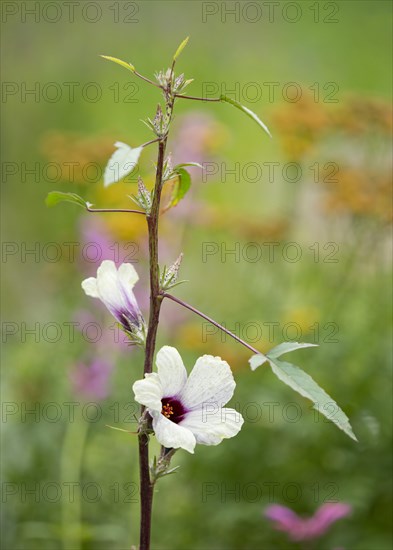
<point>302,383</point>
<point>182,185</point>
<point>124,64</point>
<point>181,48</point>
<point>55,197</point>
<point>248,112</point>
<point>121,163</point>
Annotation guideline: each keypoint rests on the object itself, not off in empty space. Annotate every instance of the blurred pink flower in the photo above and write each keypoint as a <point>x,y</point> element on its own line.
<point>298,528</point>
<point>92,381</point>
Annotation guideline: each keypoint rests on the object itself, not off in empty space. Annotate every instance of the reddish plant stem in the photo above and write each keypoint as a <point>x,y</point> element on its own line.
<point>197,98</point>
<point>146,487</point>
<point>115,210</point>
<point>212,321</point>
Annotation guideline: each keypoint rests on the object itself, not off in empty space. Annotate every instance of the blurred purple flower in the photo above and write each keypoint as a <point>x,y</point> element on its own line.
<point>298,528</point>
<point>114,288</point>
<point>92,381</point>
<point>193,139</point>
<point>194,142</point>
<point>98,245</point>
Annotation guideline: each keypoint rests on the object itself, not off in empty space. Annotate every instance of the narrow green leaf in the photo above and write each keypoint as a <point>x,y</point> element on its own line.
<point>181,187</point>
<point>54,197</point>
<point>187,164</point>
<point>286,347</point>
<point>181,48</point>
<point>247,111</point>
<point>120,429</point>
<point>302,383</point>
<point>124,64</point>
<point>257,360</point>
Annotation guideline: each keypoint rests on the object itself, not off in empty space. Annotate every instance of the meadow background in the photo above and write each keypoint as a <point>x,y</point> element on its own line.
<point>68,480</point>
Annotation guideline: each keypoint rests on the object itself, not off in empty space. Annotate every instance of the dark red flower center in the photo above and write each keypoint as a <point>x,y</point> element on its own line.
<point>172,409</point>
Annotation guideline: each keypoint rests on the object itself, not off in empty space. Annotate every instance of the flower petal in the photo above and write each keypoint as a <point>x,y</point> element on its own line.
<point>148,392</point>
<point>210,381</point>
<point>122,162</point>
<point>172,435</point>
<point>212,424</point>
<point>285,518</point>
<point>90,287</point>
<point>171,371</point>
<point>108,285</point>
<point>128,276</point>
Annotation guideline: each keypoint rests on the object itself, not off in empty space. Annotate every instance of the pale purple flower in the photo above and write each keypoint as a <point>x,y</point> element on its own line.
<point>92,381</point>
<point>114,288</point>
<point>298,528</point>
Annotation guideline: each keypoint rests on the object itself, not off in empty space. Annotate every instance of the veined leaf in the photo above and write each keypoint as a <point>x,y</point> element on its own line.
<point>181,48</point>
<point>124,64</point>
<point>248,112</point>
<point>182,185</point>
<point>54,197</point>
<point>302,383</point>
<point>121,163</point>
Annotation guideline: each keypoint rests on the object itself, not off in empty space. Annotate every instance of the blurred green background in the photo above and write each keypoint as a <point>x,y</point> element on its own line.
<point>68,480</point>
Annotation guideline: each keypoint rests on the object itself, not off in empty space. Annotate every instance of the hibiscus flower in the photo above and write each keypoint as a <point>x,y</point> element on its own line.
<point>186,411</point>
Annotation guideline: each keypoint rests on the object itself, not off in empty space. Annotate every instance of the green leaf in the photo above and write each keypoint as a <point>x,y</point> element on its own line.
<point>120,429</point>
<point>124,64</point>
<point>247,111</point>
<point>286,347</point>
<point>303,384</point>
<point>187,164</point>
<point>182,185</point>
<point>181,48</point>
<point>54,197</point>
<point>257,360</point>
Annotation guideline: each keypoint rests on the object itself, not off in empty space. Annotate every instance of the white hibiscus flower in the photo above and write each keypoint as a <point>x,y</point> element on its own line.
<point>186,411</point>
<point>114,288</point>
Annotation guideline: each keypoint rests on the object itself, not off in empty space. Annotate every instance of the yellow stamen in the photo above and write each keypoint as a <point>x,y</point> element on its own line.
<point>167,410</point>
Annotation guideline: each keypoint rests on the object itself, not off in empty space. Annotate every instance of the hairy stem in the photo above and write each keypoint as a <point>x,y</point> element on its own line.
<point>194,310</point>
